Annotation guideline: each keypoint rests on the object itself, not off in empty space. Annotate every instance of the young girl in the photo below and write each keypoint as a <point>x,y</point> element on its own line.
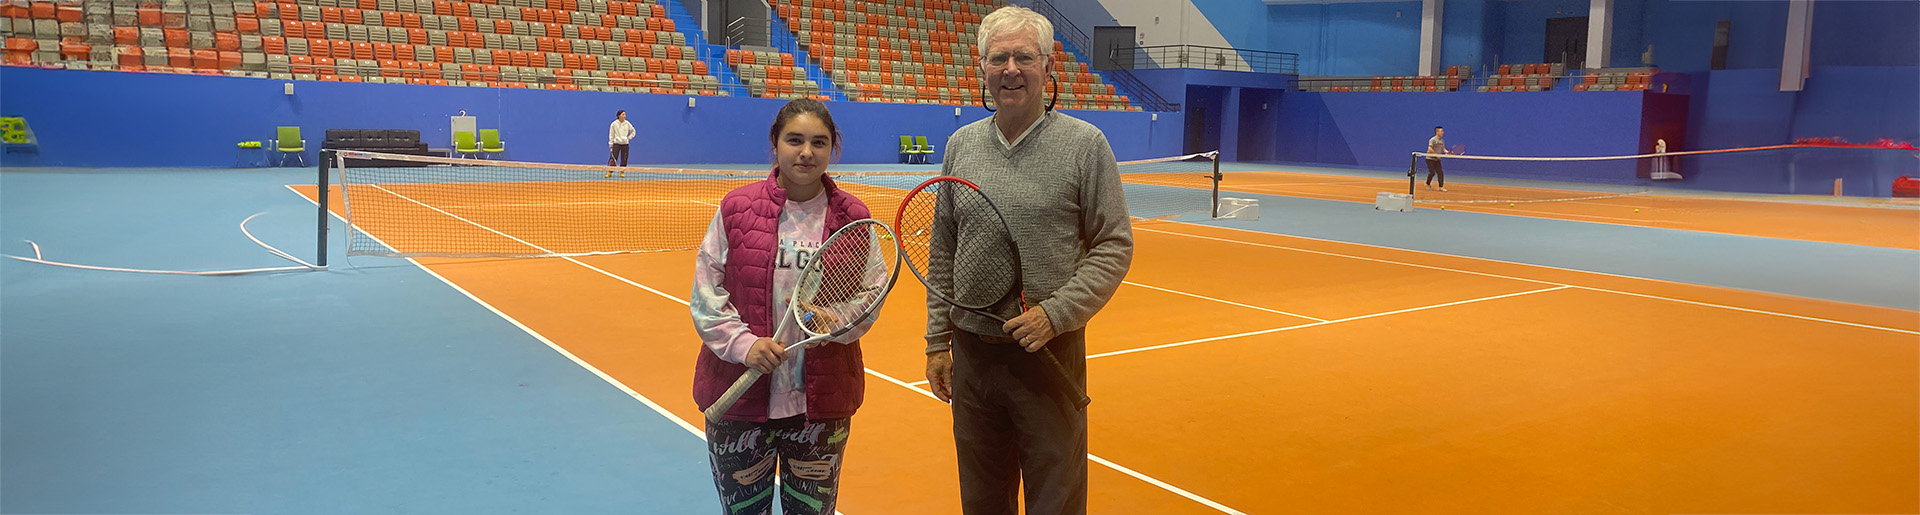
<point>795,419</point>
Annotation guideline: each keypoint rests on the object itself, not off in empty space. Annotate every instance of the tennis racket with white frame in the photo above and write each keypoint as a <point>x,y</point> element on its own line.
<point>840,289</point>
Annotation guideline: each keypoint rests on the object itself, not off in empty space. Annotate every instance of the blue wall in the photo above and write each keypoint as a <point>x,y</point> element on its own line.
<point>1347,38</point>
<point>1866,33</point>
<point>1743,108</point>
<point>147,119</point>
<point>1366,38</point>
<point>1844,34</point>
<point>1380,130</point>
<point>1464,35</point>
<point>1525,26</point>
<point>1225,96</point>
<point>1085,14</point>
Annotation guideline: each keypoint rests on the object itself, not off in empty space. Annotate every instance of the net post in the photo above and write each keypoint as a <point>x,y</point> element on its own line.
<point>326,159</point>
<point>1412,164</point>
<point>1216,186</point>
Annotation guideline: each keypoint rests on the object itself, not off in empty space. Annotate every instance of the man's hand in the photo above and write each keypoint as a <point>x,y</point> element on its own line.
<point>1032,329</point>
<point>940,375</point>
<point>765,355</point>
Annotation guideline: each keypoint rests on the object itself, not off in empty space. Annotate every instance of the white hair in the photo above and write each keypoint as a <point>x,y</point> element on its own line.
<point>1012,19</point>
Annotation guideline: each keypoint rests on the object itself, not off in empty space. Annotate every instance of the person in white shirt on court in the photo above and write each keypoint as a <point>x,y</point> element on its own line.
<point>618,135</point>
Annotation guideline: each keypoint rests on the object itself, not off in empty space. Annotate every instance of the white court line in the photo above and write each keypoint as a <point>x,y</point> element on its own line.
<point>581,203</point>
<point>1227,302</point>
<point>1321,323</point>
<point>656,407</point>
<point>1589,288</point>
<point>1237,185</point>
<point>525,242</point>
<point>536,334</point>
<point>1484,208</point>
<point>1348,256</point>
<point>1202,297</point>
<point>650,403</point>
<point>1096,459</point>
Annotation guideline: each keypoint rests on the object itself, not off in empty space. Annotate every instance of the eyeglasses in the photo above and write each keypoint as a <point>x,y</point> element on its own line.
<point>1021,59</point>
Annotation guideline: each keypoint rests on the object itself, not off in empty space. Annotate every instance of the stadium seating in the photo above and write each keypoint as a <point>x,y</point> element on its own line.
<point>600,45</point>
<point>907,51</point>
<point>911,51</point>
<point>1617,79</point>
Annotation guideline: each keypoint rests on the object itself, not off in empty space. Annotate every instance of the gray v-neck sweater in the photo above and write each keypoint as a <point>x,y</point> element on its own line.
<point>1059,190</point>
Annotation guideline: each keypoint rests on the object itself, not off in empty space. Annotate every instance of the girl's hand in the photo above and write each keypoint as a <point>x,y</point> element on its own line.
<point>765,355</point>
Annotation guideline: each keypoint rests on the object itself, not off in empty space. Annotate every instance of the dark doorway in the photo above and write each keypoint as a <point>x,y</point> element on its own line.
<point>1204,116</point>
<point>1108,39</point>
<point>1259,120</point>
<point>1567,42</point>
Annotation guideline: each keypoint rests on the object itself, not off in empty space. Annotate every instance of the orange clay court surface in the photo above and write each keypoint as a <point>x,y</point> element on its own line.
<point>1247,372</point>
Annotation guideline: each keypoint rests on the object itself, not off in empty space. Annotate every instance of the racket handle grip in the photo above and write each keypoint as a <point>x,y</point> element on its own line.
<point>739,389</point>
<point>1080,399</point>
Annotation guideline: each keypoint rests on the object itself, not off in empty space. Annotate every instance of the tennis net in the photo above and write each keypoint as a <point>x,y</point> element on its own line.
<point>421,206</point>
<point>1795,169</point>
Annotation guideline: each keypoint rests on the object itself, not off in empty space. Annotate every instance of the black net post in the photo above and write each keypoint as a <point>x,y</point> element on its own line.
<point>326,161</point>
<point>1216,186</point>
<point>1411,167</point>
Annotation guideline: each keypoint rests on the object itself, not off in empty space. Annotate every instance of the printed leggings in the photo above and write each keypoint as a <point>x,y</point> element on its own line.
<point>806,452</point>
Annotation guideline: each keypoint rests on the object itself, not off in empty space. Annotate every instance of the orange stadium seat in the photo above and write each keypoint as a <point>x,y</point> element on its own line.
<point>208,60</point>
<point>132,58</point>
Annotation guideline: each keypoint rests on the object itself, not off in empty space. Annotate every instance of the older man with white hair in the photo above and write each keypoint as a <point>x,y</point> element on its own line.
<point>1054,178</point>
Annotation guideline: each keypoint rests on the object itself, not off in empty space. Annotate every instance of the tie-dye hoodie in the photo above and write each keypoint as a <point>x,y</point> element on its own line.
<point>746,269</point>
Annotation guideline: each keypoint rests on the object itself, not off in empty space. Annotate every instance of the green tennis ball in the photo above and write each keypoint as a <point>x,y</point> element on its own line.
<point>1510,205</point>
<point>1636,210</point>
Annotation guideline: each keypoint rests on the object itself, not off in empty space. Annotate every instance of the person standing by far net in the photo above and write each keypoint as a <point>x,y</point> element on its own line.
<point>1663,165</point>
<point>618,135</point>
<point>1436,146</point>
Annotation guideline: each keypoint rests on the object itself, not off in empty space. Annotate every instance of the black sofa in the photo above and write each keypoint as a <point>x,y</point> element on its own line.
<point>391,141</point>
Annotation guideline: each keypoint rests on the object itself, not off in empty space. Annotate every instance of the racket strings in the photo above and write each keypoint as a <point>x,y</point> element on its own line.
<point>847,280</point>
<point>983,249</point>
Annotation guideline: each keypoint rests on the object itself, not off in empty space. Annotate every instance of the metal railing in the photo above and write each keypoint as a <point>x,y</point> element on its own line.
<point>1064,28</point>
<point>750,32</point>
<point>1206,58</point>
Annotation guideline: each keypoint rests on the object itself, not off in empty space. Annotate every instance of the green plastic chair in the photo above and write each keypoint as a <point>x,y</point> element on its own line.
<point>926,149</point>
<point>464,145</point>
<point>906,149</point>
<point>289,143</point>
<point>490,142</point>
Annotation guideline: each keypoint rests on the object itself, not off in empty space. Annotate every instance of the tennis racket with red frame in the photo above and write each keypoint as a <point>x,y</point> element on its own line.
<point>841,288</point>
<point>950,210</point>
